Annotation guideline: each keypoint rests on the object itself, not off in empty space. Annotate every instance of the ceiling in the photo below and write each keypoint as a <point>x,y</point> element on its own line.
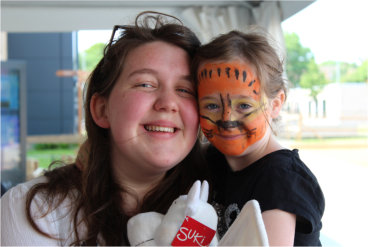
<point>67,15</point>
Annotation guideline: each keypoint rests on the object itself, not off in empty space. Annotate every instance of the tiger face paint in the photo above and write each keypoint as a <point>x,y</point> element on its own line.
<point>230,106</point>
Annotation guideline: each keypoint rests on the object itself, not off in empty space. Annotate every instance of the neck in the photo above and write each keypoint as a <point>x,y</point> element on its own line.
<point>135,191</point>
<point>136,185</point>
<point>266,145</point>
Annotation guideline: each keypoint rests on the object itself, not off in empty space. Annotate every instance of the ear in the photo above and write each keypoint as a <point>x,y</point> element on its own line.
<point>98,107</point>
<point>277,103</point>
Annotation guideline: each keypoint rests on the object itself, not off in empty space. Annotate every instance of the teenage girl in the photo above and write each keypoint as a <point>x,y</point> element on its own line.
<point>142,122</point>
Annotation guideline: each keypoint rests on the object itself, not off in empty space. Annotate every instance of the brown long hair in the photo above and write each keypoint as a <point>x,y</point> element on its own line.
<point>95,194</point>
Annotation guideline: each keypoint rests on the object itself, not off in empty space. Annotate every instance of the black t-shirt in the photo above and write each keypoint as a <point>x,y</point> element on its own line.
<point>279,180</point>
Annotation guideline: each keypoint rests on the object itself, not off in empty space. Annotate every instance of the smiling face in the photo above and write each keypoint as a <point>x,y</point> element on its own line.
<point>230,105</point>
<point>152,111</point>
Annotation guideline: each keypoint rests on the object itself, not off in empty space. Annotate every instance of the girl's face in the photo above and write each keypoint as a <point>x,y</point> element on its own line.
<point>231,107</point>
<point>152,110</point>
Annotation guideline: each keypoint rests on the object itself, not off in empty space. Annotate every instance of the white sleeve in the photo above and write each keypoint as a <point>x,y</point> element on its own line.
<point>15,228</point>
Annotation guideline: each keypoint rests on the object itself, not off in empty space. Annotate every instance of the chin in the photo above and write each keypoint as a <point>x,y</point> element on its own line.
<point>231,152</point>
<point>166,164</point>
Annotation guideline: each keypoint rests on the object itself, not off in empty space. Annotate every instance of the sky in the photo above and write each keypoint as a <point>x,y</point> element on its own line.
<point>87,38</point>
<point>334,30</point>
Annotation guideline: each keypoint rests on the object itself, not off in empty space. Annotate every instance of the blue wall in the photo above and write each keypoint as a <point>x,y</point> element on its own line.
<point>51,100</point>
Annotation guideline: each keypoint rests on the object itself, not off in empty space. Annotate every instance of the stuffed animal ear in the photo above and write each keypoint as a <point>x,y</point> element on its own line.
<point>193,198</point>
<point>204,191</point>
<point>248,228</point>
<point>194,192</point>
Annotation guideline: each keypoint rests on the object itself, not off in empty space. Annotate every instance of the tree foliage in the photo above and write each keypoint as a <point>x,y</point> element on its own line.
<point>360,74</point>
<point>313,79</point>
<point>298,58</point>
<point>89,58</point>
<point>336,71</point>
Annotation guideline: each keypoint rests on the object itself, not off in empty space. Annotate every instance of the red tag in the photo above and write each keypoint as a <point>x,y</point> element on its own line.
<point>193,233</point>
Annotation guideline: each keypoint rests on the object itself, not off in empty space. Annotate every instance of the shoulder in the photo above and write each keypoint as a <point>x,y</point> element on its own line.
<point>286,183</point>
<point>19,194</point>
<point>287,163</point>
<point>284,169</point>
<point>20,191</point>
<point>16,228</point>
<point>282,155</point>
<point>14,200</point>
<point>54,220</point>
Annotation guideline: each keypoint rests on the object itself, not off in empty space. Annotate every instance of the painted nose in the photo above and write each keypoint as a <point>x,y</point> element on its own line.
<point>226,115</point>
<point>166,101</point>
<point>228,124</point>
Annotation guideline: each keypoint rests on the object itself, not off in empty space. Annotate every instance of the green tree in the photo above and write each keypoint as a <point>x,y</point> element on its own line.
<point>336,71</point>
<point>89,58</point>
<point>298,58</point>
<point>314,80</point>
<point>360,74</point>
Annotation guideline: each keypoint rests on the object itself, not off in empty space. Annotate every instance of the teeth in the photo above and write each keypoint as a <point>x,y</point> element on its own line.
<point>159,128</point>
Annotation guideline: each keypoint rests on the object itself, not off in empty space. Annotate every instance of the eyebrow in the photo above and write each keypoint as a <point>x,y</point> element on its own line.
<point>240,96</point>
<point>142,71</point>
<point>208,98</point>
<point>154,72</point>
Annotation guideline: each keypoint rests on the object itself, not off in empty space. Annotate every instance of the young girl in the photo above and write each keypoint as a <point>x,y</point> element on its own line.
<point>240,91</point>
<point>142,121</point>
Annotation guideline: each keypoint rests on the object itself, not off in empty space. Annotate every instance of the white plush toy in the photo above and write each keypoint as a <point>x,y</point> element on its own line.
<point>155,229</point>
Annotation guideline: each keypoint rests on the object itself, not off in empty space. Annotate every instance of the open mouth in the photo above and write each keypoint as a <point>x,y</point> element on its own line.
<point>154,128</point>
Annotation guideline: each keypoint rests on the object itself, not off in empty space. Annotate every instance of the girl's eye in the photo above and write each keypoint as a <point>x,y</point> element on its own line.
<point>244,106</point>
<point>212,106</point>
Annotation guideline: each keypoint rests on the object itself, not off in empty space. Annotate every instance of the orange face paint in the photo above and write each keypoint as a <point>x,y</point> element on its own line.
<point>230,106</point>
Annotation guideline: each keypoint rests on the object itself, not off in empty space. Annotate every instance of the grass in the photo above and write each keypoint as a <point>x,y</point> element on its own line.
<point>47,154</point>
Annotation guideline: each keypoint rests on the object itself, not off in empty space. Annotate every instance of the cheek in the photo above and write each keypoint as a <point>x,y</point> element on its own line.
<point>212,115</point>
<point>206,124</point>
<point>209,118</point>
<point>259,123</point>
<point>126,109</point>
<point>189,115</point>
<point>138,103</point>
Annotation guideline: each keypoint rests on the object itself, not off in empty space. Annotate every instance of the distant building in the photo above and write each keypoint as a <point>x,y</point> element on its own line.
<point>51,100</point>
<point>341,111</point>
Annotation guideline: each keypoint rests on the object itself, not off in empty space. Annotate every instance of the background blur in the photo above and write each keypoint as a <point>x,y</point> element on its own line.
<point>48,49</point>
